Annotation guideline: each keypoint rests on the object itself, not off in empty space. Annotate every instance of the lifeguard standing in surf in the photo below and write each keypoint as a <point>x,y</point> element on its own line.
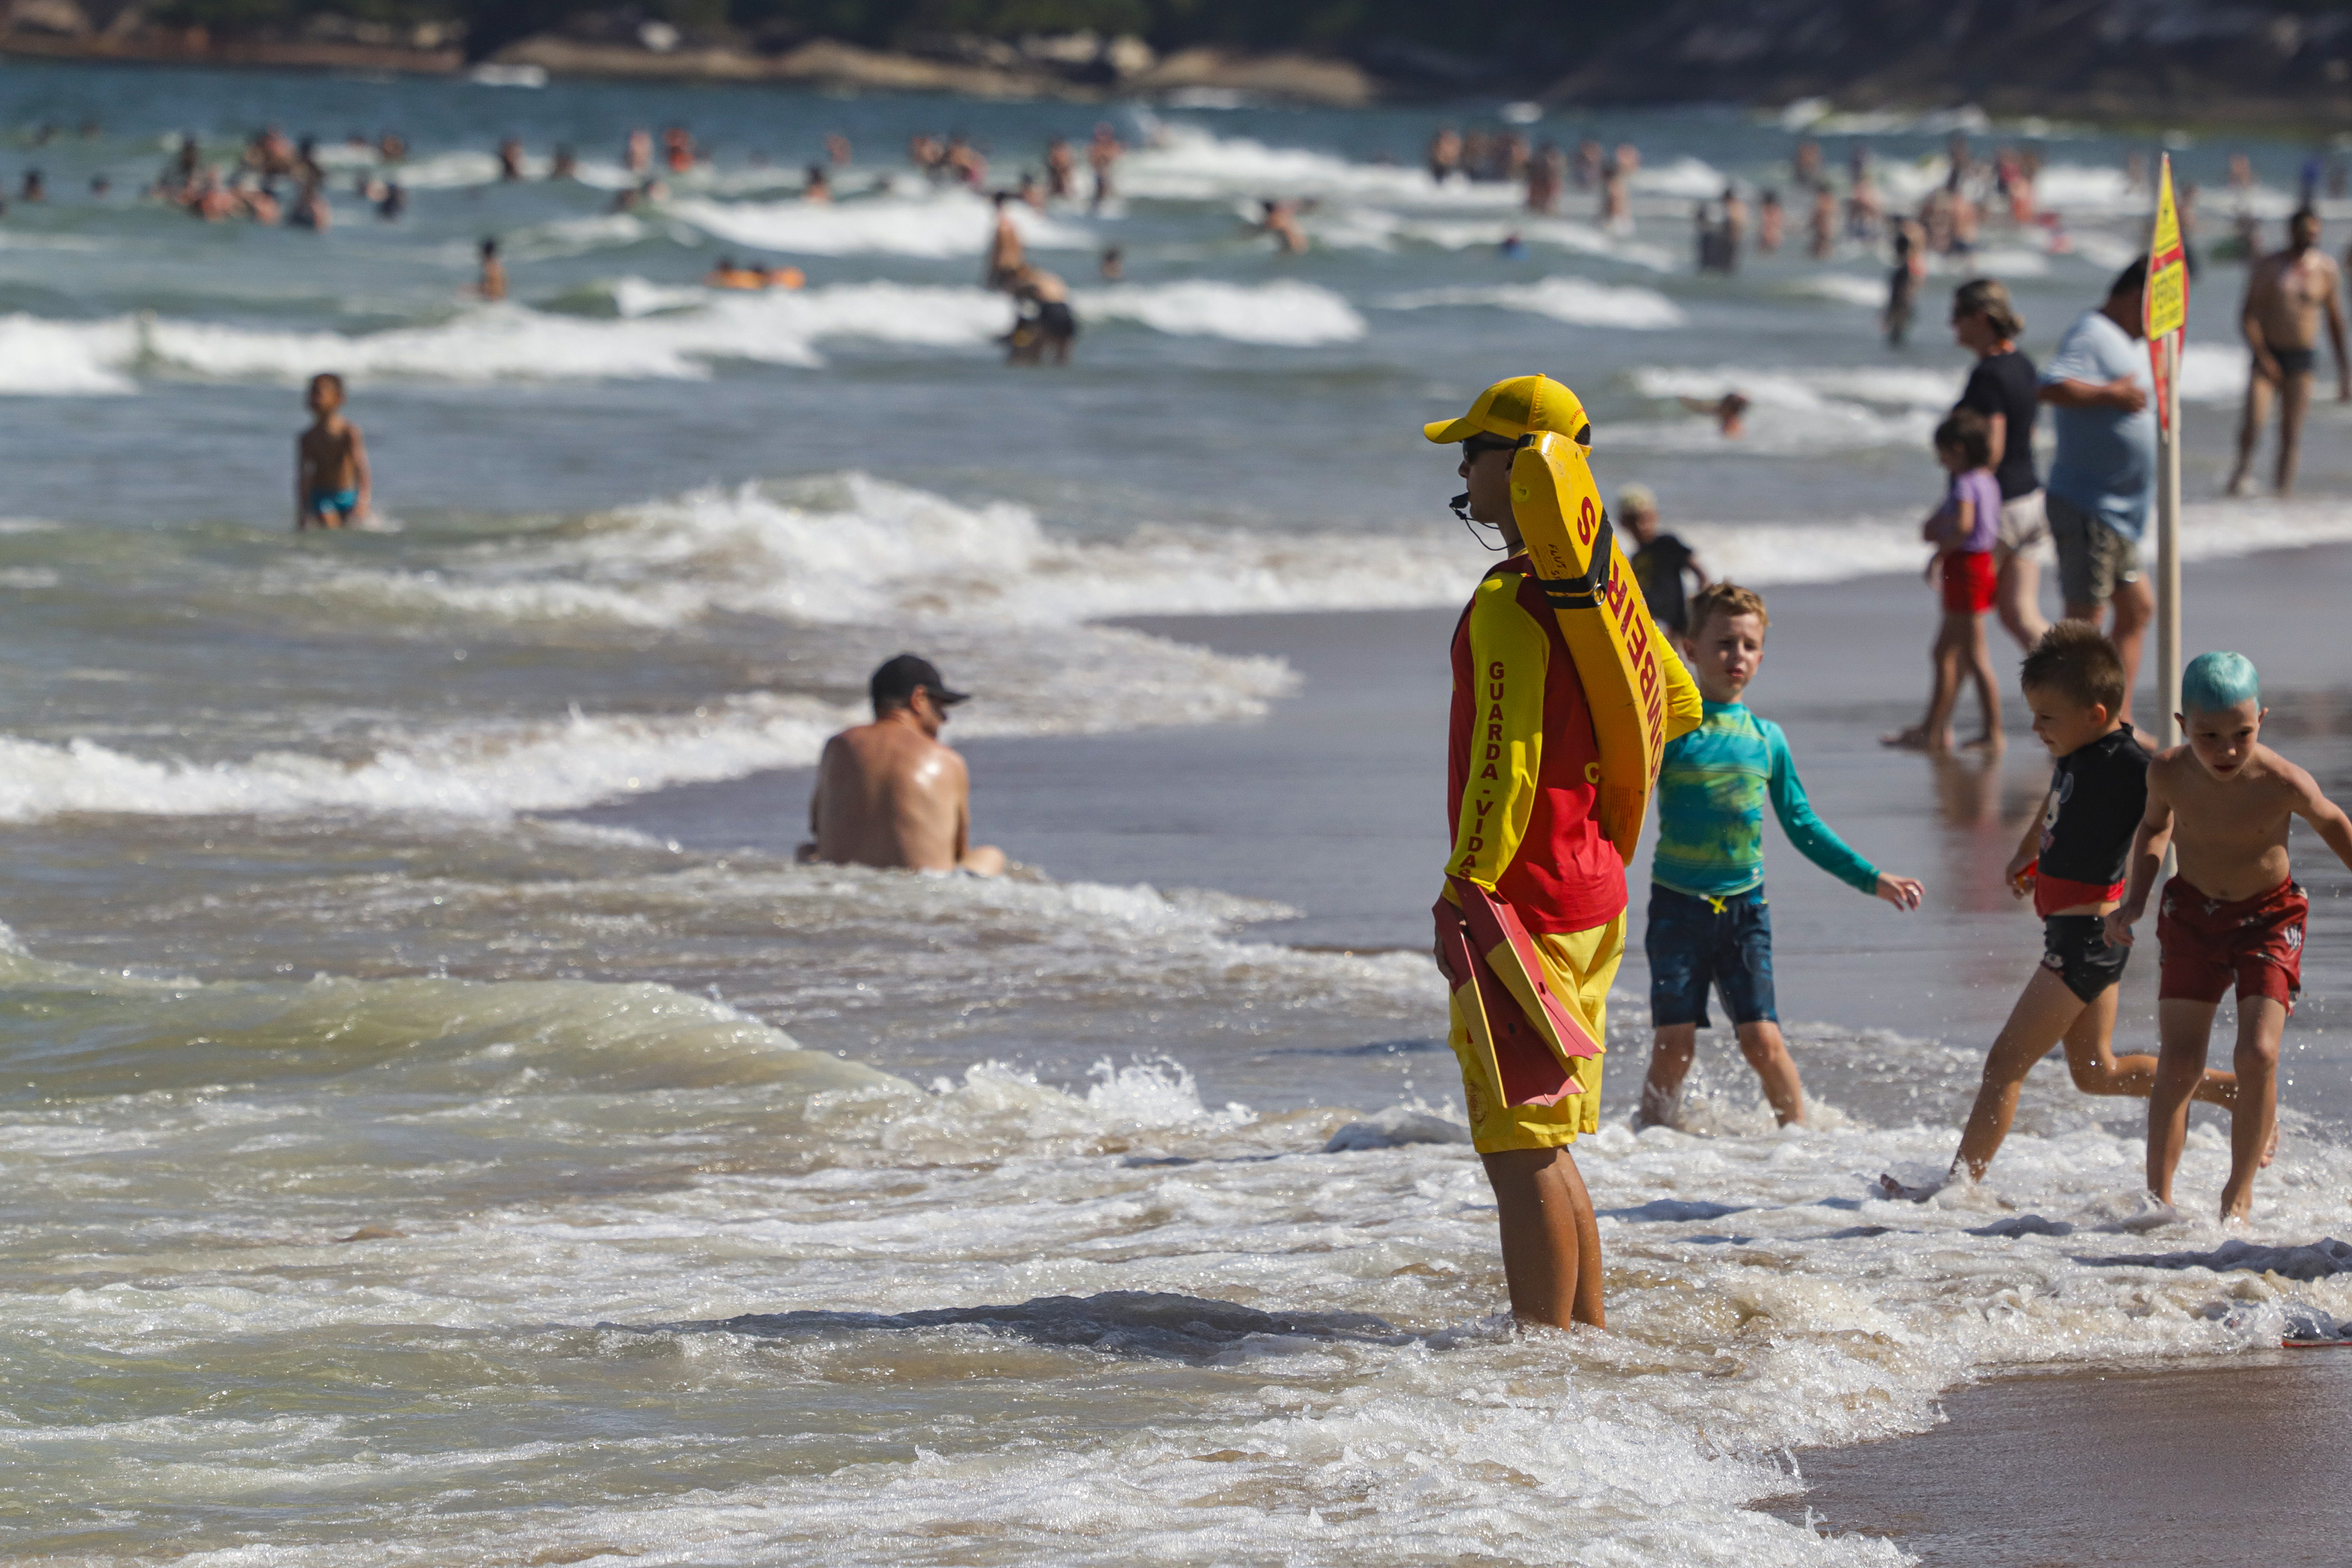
<point>1564,697</point>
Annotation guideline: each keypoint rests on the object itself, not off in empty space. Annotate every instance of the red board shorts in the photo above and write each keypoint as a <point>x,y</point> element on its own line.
<point>2207,944</point>
<point>1969,580</point>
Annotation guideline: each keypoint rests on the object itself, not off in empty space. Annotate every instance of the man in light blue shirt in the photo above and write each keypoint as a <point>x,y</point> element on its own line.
<point>2102,486</point>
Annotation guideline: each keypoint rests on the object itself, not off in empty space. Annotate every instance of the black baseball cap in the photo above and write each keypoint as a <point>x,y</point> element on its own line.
<point>899,679</point>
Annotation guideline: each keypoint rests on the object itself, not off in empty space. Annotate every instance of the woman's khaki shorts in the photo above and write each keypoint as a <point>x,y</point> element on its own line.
<point>2024,523</point>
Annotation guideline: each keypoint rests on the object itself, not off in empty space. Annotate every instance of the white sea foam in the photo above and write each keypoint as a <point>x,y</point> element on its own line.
<point>1576,301</point>
<point>1376,228</point>
<point>937,224</point>
<point>1841,287</point>
<point>854,549</point>
<point>60,359</point>
<point>1253,1343</point>
<point>1688,178</point>
<point>497,770</point>
<point>1191,165</point>
<point>2212,373</point>
<point>665,331</point>
<point>1285,312</point>
<point>477,772</point>
<point>1801,387</point>
<point>1794,411</point>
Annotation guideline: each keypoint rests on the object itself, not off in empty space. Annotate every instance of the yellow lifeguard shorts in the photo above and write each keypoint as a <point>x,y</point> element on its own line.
<point>1579,966</point>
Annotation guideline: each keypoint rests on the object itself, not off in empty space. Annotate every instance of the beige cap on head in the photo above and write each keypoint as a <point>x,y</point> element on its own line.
<point>1634,500</point>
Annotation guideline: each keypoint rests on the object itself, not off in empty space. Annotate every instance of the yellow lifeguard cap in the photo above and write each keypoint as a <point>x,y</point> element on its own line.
<point>1518,407</point>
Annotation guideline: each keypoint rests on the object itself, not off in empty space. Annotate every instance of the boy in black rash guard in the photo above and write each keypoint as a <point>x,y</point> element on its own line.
<point>2073,862</point>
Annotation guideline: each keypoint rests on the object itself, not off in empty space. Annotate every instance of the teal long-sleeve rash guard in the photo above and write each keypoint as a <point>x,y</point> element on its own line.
<point>1711,796</point>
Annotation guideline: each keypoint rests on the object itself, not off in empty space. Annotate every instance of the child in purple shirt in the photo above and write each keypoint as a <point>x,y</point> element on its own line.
<point>1963,531</point>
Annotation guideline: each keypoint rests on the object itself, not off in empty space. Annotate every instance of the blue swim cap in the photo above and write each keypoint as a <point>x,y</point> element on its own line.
<point>2214,681</point>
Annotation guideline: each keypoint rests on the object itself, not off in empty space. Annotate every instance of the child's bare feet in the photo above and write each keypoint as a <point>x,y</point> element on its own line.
<point>1655,1110</point>
<point>1913,738</point>
<point>1887,1187</point>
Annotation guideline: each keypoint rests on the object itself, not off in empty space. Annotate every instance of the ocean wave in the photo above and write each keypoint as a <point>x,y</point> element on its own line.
<point>848,549</point>
<point>663,332</point>
<point>1288,313</point>
<point>1840,287</point>
<point>495,770</point>
<point>103,1035</point>
<point>1688,178</point>
<point>63,359</point>
<point>1188,164</point>
<point>1376,228</point>
<point>1576,301</point>
<point>938,224</point>
<point>489,771</point>
<point>1804,387</point>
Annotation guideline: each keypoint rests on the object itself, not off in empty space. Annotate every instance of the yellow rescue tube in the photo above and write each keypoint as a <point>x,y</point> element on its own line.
<point>1608,628</point>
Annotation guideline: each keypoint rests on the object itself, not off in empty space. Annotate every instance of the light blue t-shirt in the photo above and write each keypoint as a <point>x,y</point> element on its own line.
<point>2106,458</point>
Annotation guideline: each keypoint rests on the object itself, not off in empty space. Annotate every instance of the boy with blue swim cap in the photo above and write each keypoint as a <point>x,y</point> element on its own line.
<point>2232,917</point>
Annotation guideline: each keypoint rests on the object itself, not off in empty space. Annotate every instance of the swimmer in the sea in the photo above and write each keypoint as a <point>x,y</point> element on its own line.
<point>729,274</point>
<point>1047,315</point>
<point>492,284</point>
<point>887,793</point>
<point>1729,412</point>
<point>332,486</point>
<point>1280,219</point>
<point>1004,252</point>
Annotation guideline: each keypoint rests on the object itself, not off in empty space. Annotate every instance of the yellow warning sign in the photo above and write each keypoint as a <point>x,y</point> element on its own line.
<point>2167,264</point>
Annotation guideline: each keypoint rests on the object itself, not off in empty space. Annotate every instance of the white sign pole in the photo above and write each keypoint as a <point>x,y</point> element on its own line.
<point>2168,548</point>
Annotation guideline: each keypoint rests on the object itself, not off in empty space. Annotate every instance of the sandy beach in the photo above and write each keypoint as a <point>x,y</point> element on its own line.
<point>2214,1464</point>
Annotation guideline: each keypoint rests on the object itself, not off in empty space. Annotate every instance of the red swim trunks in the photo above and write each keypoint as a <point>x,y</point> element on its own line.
<point>2206,944</point>
<point>1969,582</point>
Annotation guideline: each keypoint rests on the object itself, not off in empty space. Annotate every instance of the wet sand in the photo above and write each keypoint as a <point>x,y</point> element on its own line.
<point>2235,1463</point>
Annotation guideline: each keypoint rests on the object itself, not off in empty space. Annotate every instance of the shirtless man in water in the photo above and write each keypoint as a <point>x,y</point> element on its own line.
<point>887,793</point>
<point>2286,293</point>
<point>1004,253</point>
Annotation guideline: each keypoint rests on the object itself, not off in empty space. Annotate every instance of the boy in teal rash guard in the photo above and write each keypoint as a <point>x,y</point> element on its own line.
<point>1709,924</point>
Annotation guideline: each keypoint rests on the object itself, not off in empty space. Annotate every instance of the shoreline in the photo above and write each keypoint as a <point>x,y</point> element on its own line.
<point>2095,1467</point>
